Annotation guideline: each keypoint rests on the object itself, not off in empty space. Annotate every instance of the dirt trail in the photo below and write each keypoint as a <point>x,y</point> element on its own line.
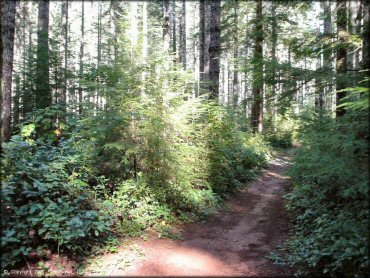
<point>233,242</point>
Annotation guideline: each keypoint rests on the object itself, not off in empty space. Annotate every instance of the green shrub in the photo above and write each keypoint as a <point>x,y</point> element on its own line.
<point>330,195</point>
<point>45,205</point>
<point>234,156</point>
<point>280,131</point>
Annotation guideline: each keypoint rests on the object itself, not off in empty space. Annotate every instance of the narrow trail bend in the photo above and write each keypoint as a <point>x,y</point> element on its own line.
<point>233,242</point>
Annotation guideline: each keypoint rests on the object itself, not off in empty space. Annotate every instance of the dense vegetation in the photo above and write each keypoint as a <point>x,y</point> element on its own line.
<point>121,117</point>
<point>329,199</point>
<point>56,197</point>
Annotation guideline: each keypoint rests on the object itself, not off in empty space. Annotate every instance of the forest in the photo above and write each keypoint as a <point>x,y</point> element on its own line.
<point>233,133</point>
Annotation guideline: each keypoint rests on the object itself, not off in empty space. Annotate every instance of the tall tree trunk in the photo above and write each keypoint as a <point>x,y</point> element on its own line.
<point>327,51</point>
<point>43,94</point>
<point>182,33</point>
<point>319,101</point>
<point>145,46</point>
<point>166,27</point>
<point>274,42</point>
<point>214,48</point>
<point>63,96</point>
<point>319,96</point>
<point>341,55</point>
<point>115,29</point>
<point>257,91</point>
<point>99,50</point>
<point>202,12</point>
<point>81,66</point>
<point>17,94</point>
<point>29,95</point>
<point>133,31</point>
<point>353,7</point>
<point>1,79</point>
<point>8,27</point>
<point>207,38</point>
<point>246,75</point>
<point>24,54</point>
<point>366,39</point>
<point>173,29</point>
<point>235,57</point>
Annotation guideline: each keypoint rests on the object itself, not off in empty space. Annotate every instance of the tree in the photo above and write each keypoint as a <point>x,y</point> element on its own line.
<point>28,88</point>
<point>366,38</point>
<point>214,48</point>
<point>182,34</point>
<point>63,96</point>
<point>341,59</point>
<point>145,45</point>
<point>236,55</point>
<point>1,76</point>
<point>43,93</point>
<point>81,55</point>
<point>274,37</point>
<point>257,106</point>
<point>327,51</point>
<point>202,12</point>
<point>166,27</point>
<point>173,28</point>
<point>8,27</point>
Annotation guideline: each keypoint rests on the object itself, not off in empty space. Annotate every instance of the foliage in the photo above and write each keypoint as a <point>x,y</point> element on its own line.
<point>280,131</point>
<point>330,194</point>
<point>46,203</point>
<point>234,156</point>
<point>155,156</point>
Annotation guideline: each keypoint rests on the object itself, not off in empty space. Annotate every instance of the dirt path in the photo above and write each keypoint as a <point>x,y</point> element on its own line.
<point>233,242</point>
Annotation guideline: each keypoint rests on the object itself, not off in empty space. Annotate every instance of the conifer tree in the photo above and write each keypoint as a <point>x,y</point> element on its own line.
<point>43,93</point>
<point>214,48</point>
<point>7,33</point>
<point>341,58</point>
<point>257,106</point>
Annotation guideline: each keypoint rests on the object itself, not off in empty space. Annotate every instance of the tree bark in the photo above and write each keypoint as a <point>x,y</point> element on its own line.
<point>366,39</point>
<point>341,56</point>
<point>28,93</point>
<point>63,96</point>
<point>274,37</point>
<point>354,12</point>
<point>182,33</point>
<point>145,47</point>
<point>327,51</point>
<point>8,27</point>
<point>214,48</point>
<point>202,12</point>
<point>235,57</point>
<point>114,28</point>
<point>17,94</point>
<point>257,91</point>
<point>81,63</point>
<point>43,94</point>
<point>173,29</point>
<point>1,78</point>
<point>166,26</point>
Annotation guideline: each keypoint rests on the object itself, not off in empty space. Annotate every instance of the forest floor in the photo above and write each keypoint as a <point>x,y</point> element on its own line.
<point>235,241</point>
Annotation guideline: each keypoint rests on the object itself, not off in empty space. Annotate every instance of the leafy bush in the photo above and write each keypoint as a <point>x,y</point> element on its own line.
<point>45,205</point>
<point>234,156</point>
<point>281,130</point>
<point>330,196</point>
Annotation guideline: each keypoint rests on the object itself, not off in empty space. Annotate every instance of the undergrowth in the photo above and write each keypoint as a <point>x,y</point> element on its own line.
<point>160,164</point>
<point>330,200</point>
